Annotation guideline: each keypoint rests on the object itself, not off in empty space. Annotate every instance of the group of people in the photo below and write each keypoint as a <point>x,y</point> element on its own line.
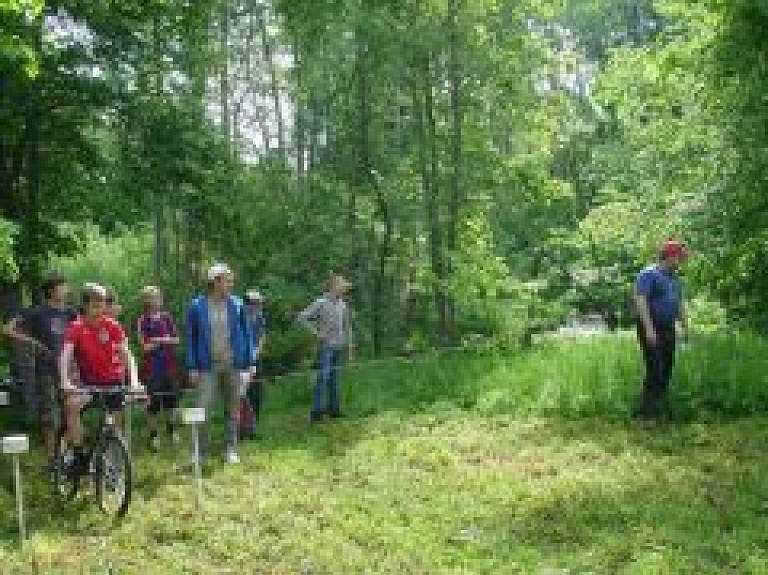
<point>87,349</point>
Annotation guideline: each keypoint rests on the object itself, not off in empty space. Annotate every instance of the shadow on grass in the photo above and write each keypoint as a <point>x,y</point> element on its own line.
<point>696,503</point>
<point>648,528</point>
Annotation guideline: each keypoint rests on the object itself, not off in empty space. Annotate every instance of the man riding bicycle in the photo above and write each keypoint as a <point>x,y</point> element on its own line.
<point>98,346</point>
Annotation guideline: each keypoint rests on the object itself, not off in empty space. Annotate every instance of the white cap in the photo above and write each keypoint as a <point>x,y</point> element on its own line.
<point>253,295</point>
<point>218,270</point>
<point>95,288</point>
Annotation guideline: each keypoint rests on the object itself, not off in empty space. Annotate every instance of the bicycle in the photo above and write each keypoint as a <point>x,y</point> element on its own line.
<point>107,460</point>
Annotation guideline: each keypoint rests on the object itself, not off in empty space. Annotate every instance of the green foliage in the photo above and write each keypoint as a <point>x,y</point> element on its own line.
<point>736,95</point>
<point>8,267</point>
<point>15,49</point>
<point>445,155</point>
<point>120,261</point>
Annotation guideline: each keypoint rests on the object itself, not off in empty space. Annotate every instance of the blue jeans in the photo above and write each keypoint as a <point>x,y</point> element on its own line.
<point>327,383</point>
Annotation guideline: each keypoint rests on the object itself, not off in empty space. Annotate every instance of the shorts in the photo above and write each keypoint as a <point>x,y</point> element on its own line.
<point>221,375</point>
<point>163,394</point>
<point>113,401</point>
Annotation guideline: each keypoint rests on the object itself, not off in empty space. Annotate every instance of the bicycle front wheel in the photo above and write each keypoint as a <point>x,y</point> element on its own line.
<point>113,476</point>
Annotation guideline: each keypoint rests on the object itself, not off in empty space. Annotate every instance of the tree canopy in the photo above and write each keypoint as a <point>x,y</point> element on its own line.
<point>488,167</point>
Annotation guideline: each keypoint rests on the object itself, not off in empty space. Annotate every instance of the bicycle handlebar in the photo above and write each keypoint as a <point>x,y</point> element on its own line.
<point>96,390</point>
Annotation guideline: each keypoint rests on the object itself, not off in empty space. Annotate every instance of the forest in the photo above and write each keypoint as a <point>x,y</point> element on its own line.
<point>482,167</point>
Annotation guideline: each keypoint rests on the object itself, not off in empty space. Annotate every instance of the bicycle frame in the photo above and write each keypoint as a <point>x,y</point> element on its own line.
<point>105,456</point>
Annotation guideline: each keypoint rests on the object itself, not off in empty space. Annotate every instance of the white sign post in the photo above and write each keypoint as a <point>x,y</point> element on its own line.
<point>195,416</point>
<point>15,445</point>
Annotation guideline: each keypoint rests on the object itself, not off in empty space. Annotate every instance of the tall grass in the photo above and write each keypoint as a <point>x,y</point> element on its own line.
<point>594,376</point>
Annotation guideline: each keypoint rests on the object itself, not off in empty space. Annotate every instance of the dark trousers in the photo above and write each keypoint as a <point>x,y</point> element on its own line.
<point>659,360</point>
<point>254,397</point>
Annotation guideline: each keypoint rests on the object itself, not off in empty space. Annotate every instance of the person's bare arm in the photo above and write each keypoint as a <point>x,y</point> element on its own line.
<point>130,363</point>
<point>684,322</point>
<point>645,316</point>
<point>11,330</point>
<point>260,345</point>
<point>147,343</point>
<point>65,363</point>
<point>167,340</point>
<point>684,315</point>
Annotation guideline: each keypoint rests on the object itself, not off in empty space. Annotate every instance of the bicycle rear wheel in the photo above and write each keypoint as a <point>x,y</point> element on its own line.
<point>66,478</point>
<point>113,476</point>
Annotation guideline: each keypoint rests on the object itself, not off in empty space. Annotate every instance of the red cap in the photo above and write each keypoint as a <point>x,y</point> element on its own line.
<point>673,249</point>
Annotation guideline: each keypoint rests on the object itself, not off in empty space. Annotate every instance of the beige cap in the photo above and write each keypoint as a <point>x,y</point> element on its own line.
<point>254,295</point>
<point>218,270</point>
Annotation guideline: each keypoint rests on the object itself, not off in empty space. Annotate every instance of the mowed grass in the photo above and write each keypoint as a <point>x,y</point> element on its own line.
<point>460,463</point>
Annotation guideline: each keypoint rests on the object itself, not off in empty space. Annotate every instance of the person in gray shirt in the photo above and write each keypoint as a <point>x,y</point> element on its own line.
<point>328,319</point>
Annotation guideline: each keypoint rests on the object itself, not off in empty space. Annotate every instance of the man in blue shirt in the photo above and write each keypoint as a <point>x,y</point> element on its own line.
<point>659,301</point>
<point>219,348</point>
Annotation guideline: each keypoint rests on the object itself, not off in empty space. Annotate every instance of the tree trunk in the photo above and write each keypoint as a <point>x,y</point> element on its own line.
<point>225,117</point>
<point>456,196</point>
<point>425,136</point>
<point>362,175</point>
<point>384,249</point>
<point>436,234</point>
<point>32,250</point>
<point>161,243</point>
<point>300,124</point>
<point>156,90</point>
<point>268,51</point>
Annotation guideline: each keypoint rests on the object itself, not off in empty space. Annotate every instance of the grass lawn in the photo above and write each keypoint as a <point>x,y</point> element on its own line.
<point>464,463</point>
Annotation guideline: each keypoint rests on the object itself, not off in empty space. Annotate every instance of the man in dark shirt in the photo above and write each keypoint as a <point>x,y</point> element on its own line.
<point>43,327</point>
<point>252,403</point>
<point>659,302</point>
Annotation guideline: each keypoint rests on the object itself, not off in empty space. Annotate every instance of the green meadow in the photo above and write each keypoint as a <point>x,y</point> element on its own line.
<point>467,462</point>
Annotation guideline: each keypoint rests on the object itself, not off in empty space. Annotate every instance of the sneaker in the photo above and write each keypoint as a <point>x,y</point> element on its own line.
<point>336,415</point>
<point>175,438</point>
<point>232,456</point>
<point>154,443</point>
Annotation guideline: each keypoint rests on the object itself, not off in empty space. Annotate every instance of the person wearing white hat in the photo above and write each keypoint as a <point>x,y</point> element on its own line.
<point>254,305</point>
<point>219,348</point>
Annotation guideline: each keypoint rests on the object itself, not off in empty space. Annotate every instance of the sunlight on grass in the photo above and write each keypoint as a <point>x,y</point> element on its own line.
<point>456,464</point>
